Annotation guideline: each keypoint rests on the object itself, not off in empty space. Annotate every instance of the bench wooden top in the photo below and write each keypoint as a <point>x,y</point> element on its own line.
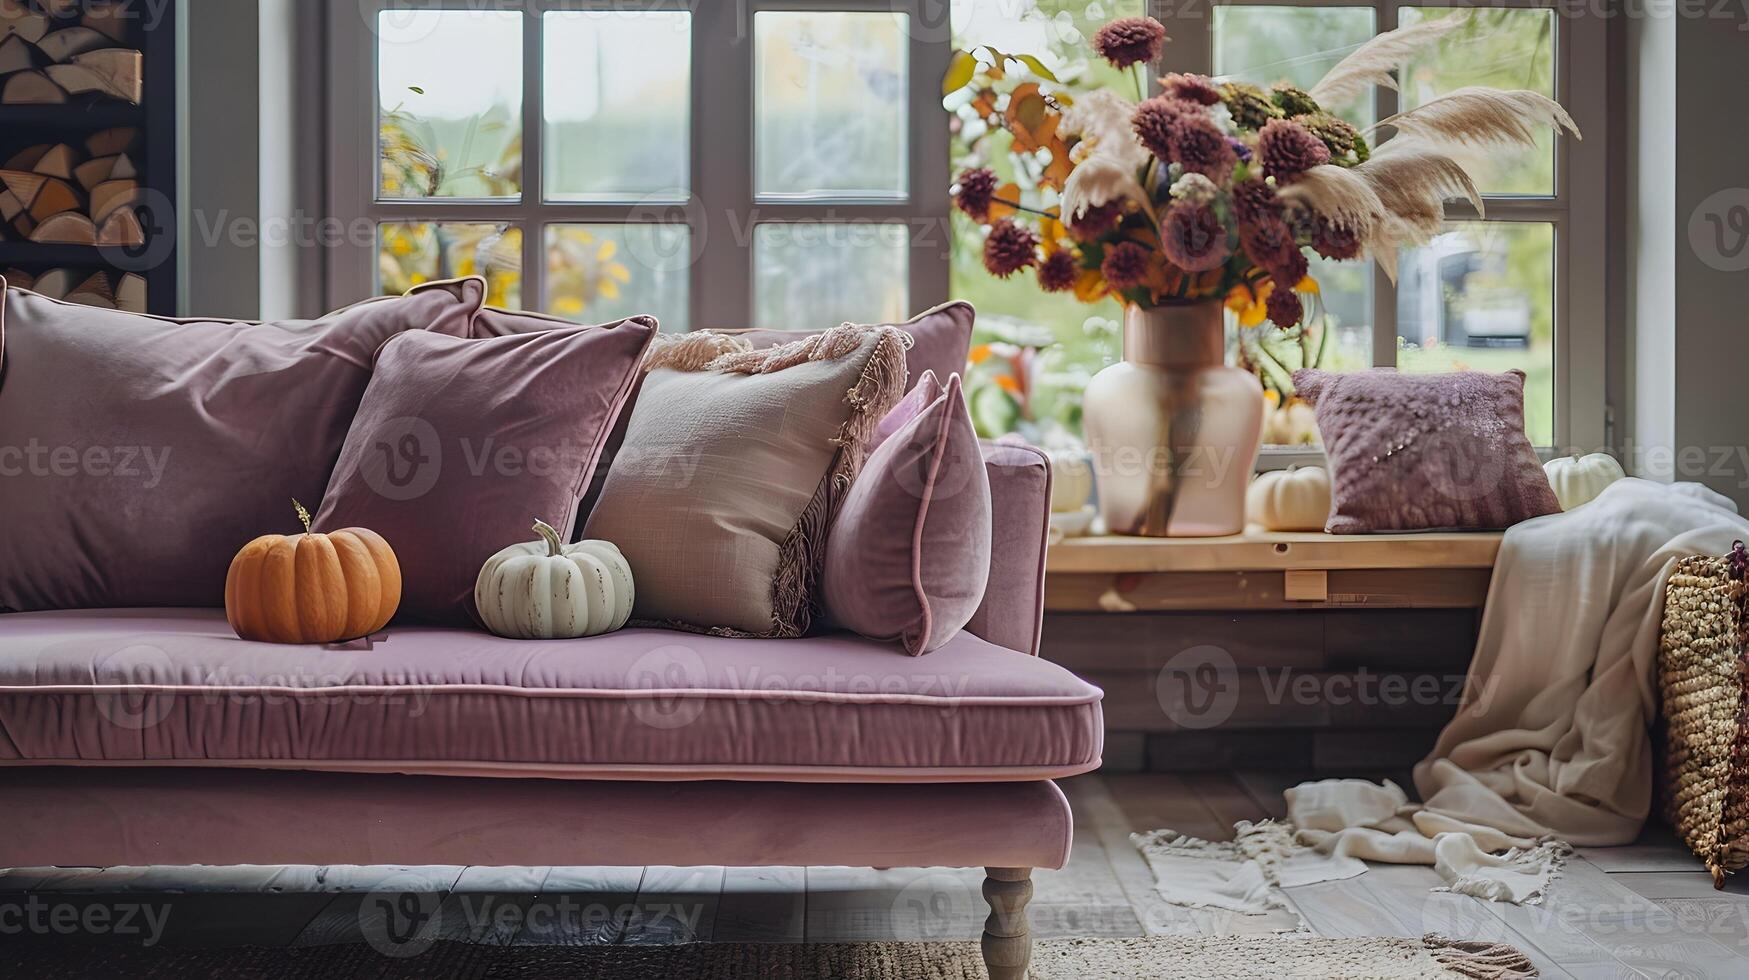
<point>1260,550</point>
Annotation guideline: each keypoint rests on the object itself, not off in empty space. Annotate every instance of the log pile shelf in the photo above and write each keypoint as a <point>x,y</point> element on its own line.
<point>87,151</point>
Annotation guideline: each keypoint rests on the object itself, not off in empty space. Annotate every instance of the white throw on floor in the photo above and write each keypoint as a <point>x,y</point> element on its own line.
<point>1552,745</point>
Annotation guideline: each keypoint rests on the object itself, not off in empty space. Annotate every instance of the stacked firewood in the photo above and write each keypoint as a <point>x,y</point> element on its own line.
<point>83,195</point>
<point>52,51</point>
<point>106,289</point>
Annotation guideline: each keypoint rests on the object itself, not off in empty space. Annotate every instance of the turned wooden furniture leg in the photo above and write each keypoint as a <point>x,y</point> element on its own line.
<point>1007,940</point>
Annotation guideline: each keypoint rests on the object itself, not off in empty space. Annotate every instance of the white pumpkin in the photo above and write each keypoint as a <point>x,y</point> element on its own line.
<point>1293,424</point>
<point>1071,480</point>
<point>1579,479</point>
<point>1294,499</point>
<point>547,590</point>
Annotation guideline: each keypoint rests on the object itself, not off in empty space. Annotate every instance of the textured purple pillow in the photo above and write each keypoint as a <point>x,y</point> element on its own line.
<point>460,444</point>
<point>1424,452</point>
<point>941,340</point>
<point>138,454</point>
<point>909,553</point>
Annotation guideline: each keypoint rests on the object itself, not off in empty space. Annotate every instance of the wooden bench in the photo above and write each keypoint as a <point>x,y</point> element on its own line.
<point>1339,654</point>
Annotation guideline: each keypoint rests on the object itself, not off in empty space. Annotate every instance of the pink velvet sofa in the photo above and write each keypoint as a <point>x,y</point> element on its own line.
<point>157,737</point>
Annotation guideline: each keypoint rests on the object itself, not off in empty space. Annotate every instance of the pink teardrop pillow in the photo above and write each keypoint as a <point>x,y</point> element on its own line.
<point>908,556</point>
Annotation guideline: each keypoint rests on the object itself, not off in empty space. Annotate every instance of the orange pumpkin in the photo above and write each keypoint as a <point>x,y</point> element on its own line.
<point>312,588</point>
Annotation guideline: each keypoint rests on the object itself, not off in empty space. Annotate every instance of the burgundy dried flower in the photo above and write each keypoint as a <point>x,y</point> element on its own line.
<point>1288,150</point>
<point>1059,271</point>
<point>1266,241</point>
<point>977,189</point>
<point>1095,221</point>
<point>1129,40</point>
<point>1009,249</point>
<point>1290,269</point>
<point>1284,306</point>
<point>1254,201</point>
<point>1126,265</point>
<point>1193,238</point>
<point>1200,89</point>
<point>1333,242</point>
<point>1154,122</point>
<point>1200,147</point>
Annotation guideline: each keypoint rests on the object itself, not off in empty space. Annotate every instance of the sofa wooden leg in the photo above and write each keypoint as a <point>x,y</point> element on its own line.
<point>1007,939</point>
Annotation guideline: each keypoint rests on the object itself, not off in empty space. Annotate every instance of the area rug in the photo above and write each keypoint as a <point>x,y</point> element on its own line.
<point>1231,958</point>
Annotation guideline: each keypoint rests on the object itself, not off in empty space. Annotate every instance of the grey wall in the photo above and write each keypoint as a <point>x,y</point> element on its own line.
<point>1688,194</point>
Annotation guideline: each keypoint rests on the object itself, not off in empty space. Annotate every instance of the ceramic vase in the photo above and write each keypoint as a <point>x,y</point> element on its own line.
<point>1173,430</point>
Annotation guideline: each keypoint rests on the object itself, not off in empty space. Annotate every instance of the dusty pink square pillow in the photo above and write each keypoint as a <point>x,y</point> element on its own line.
<point>1423,452</point>
<point>138,453</point>
<point>460,444</point>
<point>941,339</point>
<point>908,556</point>
<point>924,391</point>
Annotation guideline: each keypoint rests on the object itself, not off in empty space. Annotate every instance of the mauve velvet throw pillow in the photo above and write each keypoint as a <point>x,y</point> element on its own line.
<point>1424,452</point>
<point>459,445</point>
<point>909,553</point>
<point>138,454</point>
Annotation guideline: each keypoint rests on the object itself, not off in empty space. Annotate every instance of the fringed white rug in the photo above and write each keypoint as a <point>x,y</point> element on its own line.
<point>1333,828</point>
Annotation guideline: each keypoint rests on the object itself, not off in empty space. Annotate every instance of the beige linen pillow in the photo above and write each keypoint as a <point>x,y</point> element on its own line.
<point>733,465</point>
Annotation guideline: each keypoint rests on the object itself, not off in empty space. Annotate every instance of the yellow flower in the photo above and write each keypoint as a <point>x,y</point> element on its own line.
<point>568,305</point>
<point>609,289</point>
<point>1250,305</point>
<point>606,252</point>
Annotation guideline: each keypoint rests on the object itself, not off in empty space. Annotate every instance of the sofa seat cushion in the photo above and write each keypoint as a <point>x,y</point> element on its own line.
<point>175,687</point>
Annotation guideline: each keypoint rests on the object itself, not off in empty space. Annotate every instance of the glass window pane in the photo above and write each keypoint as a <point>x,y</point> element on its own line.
<point>1066,341</point>
<point>449,90</point>
<point>618,104</point>
<point>1265,45</point>
<point>1509,49</point>
<point>1481,297</point>
<point>1340,338</point>
<point>597,273</point>
<point>410,253</point>
<point>811,275</point>
<point>830,91</point>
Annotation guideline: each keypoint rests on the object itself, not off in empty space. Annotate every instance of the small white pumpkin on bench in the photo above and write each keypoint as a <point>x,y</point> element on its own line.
<point>548,590</point>
<point>1294,499</point>
<point>1578,479</point>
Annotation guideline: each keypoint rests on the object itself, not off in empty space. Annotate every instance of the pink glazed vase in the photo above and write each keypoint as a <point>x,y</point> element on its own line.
<point>1173,430</point>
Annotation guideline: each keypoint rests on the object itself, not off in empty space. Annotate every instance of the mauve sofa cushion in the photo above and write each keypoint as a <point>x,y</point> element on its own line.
<point>941,339</point>
<point>1423,452</point>
<point>909,553</point>
<point>138,454</point>
<point>460,444</point>
<point>175,687</point>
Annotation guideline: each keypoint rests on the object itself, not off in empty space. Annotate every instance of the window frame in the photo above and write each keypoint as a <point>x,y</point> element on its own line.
<point>1577,209</point>
<point>720,208</point>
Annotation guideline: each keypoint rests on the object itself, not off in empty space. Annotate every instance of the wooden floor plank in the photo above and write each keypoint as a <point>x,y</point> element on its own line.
<point>675,905</point>
<point>488,906</point>
<point>581,907</point>
<point>763,905</point>
<point>927,904</point>
<point>1405,896</point>
<point>1658,849</point>
<point>1635,930</point>
<point>387,905</point>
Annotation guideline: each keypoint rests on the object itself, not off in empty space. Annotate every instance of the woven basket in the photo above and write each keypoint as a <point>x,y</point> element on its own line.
<point>1705,689</point>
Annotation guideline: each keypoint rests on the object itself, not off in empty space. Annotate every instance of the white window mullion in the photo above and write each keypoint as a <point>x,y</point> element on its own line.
<point>1384,291</point>
<point>533,158</point>
<point>722,165</point>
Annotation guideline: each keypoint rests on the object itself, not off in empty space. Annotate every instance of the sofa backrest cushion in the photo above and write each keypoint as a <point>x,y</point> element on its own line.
<point>459,445</point>
<point>734,463</point>
<point>909,552</point>
<point>138,453</point>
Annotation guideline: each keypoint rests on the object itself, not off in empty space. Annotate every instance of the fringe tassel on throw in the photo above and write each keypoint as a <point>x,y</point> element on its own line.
<point>1479,959</point>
